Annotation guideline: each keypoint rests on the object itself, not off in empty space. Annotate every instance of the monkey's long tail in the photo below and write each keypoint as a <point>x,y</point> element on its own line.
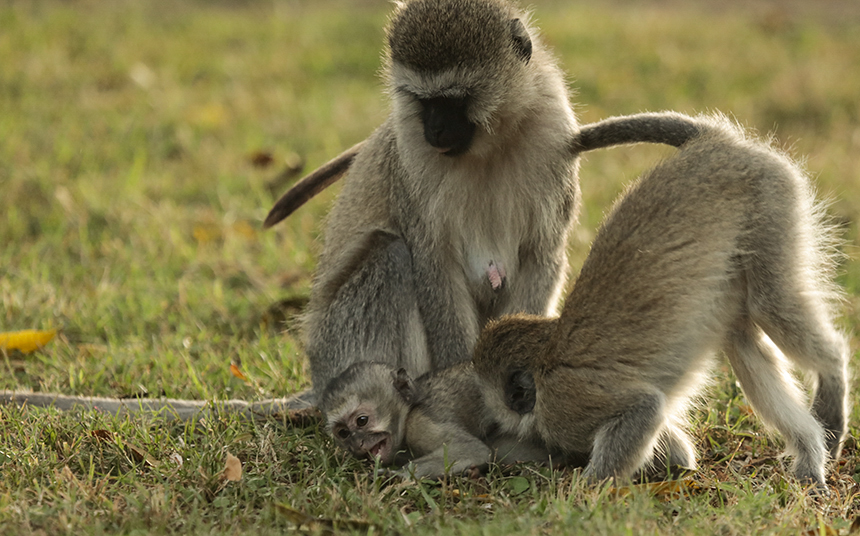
<point>669,128</point>
<point>312,184</point>
<point>296,409</point>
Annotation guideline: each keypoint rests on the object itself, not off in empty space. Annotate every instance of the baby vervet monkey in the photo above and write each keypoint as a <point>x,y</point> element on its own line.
<point>721,247</point>
<point>436,424</point>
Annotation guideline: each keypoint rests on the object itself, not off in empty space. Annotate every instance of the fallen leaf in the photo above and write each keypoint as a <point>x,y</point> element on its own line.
<point>140,455</point>
<point>261,159</point>
<point>245,230</point>
<point>234,369</point>
<point>518,485</point>
<point>26,341</point>
<point>232,469</point>
<point>666,489</point>
<point>102,435</point>
<point>204,234</point>
<point>481,497</point>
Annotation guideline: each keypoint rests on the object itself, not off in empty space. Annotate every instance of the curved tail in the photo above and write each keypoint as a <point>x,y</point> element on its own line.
<point>669,128</point>
<point>311,185</point>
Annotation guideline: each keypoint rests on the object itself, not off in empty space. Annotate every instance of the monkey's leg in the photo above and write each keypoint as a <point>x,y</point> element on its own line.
<point>777,399</point>
<point>447,448</point>
<point>627,441</point>
<point>795,316</point>
<point>373,317</point>
<point>673,455</point>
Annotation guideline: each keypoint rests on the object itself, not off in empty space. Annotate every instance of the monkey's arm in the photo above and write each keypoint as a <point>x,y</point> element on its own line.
<point>312,184</point>
<point>442,447</point>
<point>626,441</point>
<point>366,312</point>
<point>167,408</point>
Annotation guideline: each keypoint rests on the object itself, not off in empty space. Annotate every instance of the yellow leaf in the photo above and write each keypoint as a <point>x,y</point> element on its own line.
<point>238,373</point>
<point>245,230</point>
<point>204,234</point>
<point>661,489</point>
<point>232,469</point>
<point>324,526</point>
<point>26,341</point>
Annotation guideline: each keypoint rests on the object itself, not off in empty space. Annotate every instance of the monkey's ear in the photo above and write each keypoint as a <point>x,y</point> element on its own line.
<point>521,39</point>
<point>520,392</point>
<point>404,385</point>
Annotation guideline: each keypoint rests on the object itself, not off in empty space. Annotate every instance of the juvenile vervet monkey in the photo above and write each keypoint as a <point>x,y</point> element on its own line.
<point>457,209</point>
<point>721,247</point>
<point>436,424</point>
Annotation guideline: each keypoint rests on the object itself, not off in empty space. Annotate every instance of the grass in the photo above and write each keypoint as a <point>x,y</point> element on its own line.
<point>130,219</point>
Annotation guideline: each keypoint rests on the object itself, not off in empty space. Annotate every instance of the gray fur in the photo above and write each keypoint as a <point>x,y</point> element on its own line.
<point>444,424</point>
<point>720,247</point>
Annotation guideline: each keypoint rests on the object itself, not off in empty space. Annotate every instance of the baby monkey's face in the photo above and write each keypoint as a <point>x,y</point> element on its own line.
<point>365,433</point>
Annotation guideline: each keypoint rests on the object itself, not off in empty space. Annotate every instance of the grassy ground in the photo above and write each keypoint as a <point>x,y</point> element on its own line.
<point>130,213</point>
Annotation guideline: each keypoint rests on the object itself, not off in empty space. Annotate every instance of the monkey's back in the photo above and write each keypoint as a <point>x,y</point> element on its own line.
<point>665,278</point>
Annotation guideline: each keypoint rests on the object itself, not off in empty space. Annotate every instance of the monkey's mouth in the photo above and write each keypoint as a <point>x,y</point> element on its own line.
<point>381,449</point>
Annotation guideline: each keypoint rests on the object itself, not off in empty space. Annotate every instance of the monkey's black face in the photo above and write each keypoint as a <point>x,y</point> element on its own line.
<point>446,125</point>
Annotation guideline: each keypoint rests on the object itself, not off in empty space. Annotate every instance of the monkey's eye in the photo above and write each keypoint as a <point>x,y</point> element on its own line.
<point>362,421</point>
<point>343,433</point>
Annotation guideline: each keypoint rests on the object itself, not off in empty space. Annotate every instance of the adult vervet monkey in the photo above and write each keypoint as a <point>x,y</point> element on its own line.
<point>721,247</point>
<point>457,209</point>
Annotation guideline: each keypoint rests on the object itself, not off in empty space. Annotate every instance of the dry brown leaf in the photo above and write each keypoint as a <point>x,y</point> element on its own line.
<point>140,455</point>
<point>102,435</point>
<point>232,469</point>
<point>261,159</point>
<point>26,341</point>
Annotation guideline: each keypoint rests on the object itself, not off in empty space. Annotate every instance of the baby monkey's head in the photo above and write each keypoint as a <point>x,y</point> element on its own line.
<point>366,408</point>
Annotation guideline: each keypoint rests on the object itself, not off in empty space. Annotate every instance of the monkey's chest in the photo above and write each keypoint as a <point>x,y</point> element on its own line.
<point>490,268</point>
